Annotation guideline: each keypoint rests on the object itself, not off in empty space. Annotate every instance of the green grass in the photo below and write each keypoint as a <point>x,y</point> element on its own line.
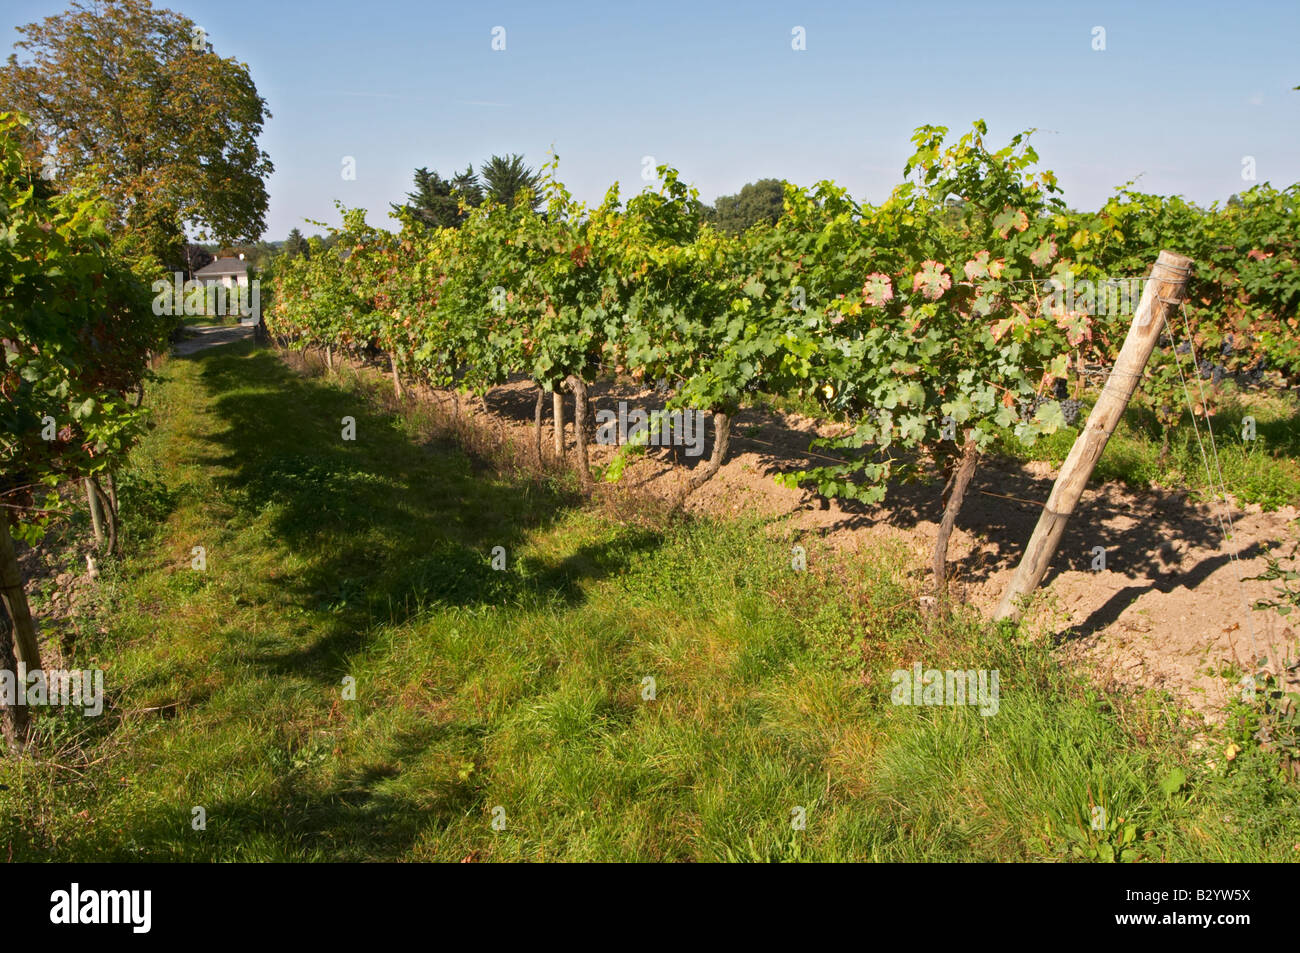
<point>1265,470</point>
<point>522,689</point>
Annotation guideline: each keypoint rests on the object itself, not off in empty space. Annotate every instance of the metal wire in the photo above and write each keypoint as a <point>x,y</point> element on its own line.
<point>1220,488</point>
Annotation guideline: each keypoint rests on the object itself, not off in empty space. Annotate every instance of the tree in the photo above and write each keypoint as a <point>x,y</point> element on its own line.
<point>504,178</point>
<point>436,201</point>
<point>132,98</point>
<point>759,201</point>
<point>295,245</point>
<point>466,184</point>
<point>196,257</point>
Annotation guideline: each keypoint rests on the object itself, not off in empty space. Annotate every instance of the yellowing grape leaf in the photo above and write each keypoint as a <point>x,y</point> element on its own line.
<point>1044,253</point>
<point>1010,218</point>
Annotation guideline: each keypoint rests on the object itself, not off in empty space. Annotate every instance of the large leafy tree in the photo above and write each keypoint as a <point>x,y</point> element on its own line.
<point>133,98</point>
<point>756,202</point>
<point>505,177</point>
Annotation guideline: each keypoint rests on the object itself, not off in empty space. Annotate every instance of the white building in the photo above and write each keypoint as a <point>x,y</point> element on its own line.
<point>228,291</point>
<point>228,272</point>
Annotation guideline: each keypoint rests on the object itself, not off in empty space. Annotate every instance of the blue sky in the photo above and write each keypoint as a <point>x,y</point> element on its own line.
<point>1181,94</point>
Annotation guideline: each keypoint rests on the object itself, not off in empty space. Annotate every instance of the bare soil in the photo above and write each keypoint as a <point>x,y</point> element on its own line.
<point>201,337</point>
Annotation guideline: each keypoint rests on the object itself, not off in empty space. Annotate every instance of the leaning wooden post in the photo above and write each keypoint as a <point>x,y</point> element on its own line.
<point>397,379</point>
<point>1164,291</point>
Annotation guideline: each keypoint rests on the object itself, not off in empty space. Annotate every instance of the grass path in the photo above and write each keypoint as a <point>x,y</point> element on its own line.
<point>520,696</point>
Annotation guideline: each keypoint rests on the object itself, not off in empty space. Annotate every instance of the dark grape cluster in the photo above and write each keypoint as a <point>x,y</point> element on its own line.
<point>1070,408</point>
<point>1210,371</point>
<point>1246,373</point>
<point>1255,376</point>
<point>1029,407</point>
<point>1059,389</point>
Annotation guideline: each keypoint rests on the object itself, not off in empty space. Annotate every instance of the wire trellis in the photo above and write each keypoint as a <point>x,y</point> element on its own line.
<point>1217,484</point>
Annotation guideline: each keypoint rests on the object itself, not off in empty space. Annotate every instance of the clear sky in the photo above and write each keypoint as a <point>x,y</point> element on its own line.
<point>1180,95</point>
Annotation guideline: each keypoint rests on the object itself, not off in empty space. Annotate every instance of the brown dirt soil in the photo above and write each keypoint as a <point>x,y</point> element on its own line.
<point>1170,611</point>
<point>60,576</point>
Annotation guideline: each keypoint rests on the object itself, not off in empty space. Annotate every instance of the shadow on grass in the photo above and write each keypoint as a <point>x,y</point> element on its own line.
<point>364,533</point>
<point>364,814</point>
<point>376,530</point>
<point>383,526</point>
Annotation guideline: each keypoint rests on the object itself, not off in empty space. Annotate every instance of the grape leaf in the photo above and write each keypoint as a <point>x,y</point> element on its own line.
<point>932,281</point>
<point>1010,218</point>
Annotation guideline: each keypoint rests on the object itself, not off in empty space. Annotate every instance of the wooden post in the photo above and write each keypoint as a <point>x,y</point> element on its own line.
<point>397,380</point>
<point>15,600</point>
<point>537,422</point>
<point>557,406</point>
<point>96,511</point>
<point>1164,291</point>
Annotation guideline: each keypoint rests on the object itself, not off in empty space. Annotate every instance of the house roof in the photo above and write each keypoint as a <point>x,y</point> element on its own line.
<point>223,266</point>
